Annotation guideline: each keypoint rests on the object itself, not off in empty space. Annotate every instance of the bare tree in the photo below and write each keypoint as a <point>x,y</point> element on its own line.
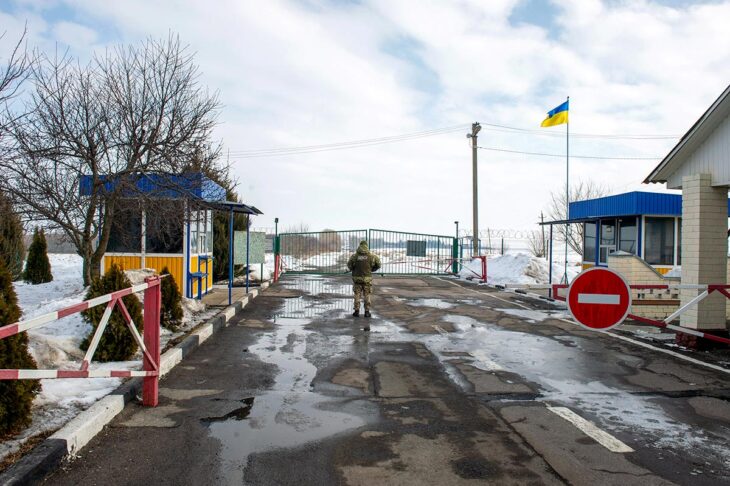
<point>12,75</point>
<point>536,244</point>
<point>558,210</point>
<point>134,112</point>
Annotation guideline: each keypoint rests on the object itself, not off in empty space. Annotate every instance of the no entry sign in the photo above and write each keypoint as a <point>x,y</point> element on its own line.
<point>599,298</point>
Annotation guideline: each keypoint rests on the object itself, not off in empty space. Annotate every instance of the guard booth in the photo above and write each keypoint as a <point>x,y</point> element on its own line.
<point>645,224</point>
<point>166,220</point>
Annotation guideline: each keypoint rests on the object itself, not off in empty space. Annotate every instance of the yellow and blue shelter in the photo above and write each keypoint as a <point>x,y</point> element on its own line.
<point>164,220</point>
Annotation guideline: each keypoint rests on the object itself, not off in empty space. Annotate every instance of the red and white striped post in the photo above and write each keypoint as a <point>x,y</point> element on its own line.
<point>484,268</point>
<point>152,303</point>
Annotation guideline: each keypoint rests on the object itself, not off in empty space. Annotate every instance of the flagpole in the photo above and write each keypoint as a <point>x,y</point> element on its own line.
<point>567,190</point>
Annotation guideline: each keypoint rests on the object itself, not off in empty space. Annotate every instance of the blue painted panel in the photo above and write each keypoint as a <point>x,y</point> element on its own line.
<point>161,185</point>
<point>629,204</point>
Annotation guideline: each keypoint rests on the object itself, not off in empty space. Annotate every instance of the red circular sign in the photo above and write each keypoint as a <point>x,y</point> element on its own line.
<point>599,298</point>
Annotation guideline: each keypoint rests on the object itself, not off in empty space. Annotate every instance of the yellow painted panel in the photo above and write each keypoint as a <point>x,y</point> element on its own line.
<point>174,264</point>
<point>587,265</point>
<point>208,283</point>
<point>663,271</point>
<point>126,262</point>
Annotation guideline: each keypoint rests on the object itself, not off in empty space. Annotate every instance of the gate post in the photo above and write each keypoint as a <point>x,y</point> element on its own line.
<point>152,302</point>
<point>277,257</point>
<point>455,255</point>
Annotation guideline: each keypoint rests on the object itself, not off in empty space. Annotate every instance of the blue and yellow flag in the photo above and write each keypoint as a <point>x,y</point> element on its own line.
<point>556,116</point>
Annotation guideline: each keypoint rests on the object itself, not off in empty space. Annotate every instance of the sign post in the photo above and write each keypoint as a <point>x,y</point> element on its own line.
<point>599,299</point>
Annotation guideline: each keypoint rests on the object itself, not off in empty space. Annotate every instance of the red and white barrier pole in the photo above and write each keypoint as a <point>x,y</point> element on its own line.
<point>484,268</point>
<point>152,302</point>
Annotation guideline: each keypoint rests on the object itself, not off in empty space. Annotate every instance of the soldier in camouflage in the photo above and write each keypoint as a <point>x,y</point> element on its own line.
<point>362,265</point>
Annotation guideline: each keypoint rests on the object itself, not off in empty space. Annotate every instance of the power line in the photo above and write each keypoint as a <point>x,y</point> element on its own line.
<point>350,144</point>
<point>509,129</point>
<point>306,149</point>
<point>496,149</point>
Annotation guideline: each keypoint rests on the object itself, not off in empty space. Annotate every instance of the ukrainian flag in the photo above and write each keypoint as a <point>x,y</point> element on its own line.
<point>556,116</point>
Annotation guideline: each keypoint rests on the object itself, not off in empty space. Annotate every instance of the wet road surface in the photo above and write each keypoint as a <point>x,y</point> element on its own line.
<point>455,384</point>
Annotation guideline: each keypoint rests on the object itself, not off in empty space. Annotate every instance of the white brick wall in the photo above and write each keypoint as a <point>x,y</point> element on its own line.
<point>704,249</point>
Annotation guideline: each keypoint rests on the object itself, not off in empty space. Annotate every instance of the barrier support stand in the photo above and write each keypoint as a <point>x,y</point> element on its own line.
<point>152,302</point>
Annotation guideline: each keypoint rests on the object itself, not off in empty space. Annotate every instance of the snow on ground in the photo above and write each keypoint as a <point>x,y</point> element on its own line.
<point>518,269</point>
<point>56,346</point>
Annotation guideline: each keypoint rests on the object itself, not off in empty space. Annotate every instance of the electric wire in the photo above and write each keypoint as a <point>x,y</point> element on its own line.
<point>309,149</point>
<point>596,157</point>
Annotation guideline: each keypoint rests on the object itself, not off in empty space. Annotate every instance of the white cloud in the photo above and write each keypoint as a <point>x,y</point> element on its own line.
<point>293,74</point>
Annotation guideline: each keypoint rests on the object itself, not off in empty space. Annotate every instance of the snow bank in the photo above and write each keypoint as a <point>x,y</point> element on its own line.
<point>56,346</point>
<point>518,269</point>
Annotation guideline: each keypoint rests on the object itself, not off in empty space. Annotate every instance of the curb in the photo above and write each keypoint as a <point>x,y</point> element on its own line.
<point>72,437</point>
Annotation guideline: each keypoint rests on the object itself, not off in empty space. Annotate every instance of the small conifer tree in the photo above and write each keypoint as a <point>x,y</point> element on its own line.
<point>16,397</point>
<point>12,248</point>
<point>172,312</point>
<point>117,343</point>
<point>38,268</point>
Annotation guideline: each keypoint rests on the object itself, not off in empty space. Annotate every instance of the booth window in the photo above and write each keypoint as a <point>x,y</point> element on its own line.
<point>659,244</point>
<point>126,231</point>
<point>589,242</point>
<point>164,233</point>
<point>627,235</point>
<point>209,230</point>
<point>608,239</point>
<point>194,216</point>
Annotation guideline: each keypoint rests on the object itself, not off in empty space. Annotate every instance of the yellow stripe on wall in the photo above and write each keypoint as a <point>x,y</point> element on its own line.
<point>126,262</point>
<point>174,264</point>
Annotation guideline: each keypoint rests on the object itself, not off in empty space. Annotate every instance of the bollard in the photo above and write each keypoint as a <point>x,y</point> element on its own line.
<point>152,302</point>
<point>484,268</point>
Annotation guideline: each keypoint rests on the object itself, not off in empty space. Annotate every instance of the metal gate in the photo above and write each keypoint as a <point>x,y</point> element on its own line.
<point>321,253</point>
<point>401,253</point>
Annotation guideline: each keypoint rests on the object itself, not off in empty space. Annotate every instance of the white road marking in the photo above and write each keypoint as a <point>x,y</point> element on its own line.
<point>609,333</point>
<point>610,299</point>
<point>486,363</point>
<point>604,438</point>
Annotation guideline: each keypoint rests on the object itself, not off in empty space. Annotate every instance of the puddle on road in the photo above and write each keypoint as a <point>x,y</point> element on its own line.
<point>436,303</point>
<point>290,414</point>
<point>534,316</point>
<point>336,300</point>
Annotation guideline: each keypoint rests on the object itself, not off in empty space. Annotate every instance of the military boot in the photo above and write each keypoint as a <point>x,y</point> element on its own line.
<point>356,313</point>
<point>367,313</point>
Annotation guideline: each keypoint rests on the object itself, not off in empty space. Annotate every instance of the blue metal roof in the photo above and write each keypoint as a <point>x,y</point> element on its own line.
<point>629,204</point>
<point>171,186</point>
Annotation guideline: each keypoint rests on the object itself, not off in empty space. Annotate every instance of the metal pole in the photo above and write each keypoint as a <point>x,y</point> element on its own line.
<point>248,249</point>
<point>567,190</point>
<point>550,263</point>
<point>230,257</point>
<point>455,251</point>
<point>475,127</point>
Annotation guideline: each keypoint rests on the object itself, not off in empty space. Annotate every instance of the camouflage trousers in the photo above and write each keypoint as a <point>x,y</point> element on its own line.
<point>362,290</point>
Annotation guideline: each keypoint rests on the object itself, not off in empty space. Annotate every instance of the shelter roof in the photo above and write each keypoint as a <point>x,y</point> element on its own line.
<point>158,185</point>
<point>634,203</point>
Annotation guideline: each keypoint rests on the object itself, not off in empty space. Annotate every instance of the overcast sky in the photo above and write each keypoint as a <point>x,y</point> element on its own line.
<point>314,72</point>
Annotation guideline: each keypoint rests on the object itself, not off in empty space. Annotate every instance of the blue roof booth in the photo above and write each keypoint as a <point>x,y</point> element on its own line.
<point>645,224</point>
<point>178,236</point>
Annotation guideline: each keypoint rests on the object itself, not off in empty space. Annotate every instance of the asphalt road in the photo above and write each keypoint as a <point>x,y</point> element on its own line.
<point>455,384</point>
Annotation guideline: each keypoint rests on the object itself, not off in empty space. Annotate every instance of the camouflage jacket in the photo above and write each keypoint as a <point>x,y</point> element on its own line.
<point>363,263</point>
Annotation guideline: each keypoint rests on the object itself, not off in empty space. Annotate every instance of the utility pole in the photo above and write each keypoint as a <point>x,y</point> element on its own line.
<point>475,127</point>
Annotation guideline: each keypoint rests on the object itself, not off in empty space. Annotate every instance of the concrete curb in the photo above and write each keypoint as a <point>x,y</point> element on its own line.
<point>72,437</point>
